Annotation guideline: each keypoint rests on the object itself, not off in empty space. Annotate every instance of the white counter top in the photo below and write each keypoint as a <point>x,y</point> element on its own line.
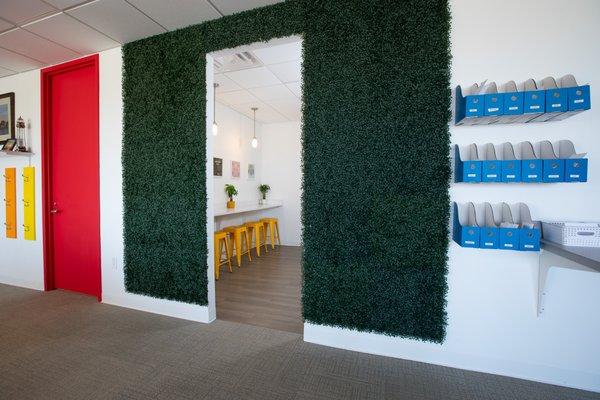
<point>221,210</point>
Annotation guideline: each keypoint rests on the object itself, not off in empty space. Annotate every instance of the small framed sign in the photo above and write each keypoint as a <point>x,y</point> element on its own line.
<point>217,166</point>
<point>7,117</point>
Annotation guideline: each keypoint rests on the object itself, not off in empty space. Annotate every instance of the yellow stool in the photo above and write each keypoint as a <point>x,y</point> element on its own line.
<point>257,229</point>
<point>239,233</point>
<point>273,226</point>
<point>221,238</point>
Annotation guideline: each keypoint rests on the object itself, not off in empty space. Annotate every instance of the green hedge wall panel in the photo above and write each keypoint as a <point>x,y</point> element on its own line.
<point>375,159</point>
<point>375,151</point>
<point>164,167</point>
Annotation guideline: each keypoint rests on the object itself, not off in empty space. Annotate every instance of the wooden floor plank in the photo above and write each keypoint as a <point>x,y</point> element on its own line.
<point>265,292</point>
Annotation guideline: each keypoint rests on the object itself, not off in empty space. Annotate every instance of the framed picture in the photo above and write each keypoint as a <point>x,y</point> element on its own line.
<point>9,145</point>
<point>250,172</point>
<point>7,117</point>
<point>235,169</point>
<point>217,166</point>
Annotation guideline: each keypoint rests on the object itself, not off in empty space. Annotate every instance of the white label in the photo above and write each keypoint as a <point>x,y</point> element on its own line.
<point>493,109</point>
<point>553,176</point>
<point>528,246</point>
<point>556,105</point>
<point>510,176</point>
<point>489,243</point>
<point>471,175</point>
<point>534,107</point>
<point>513,108</point>
<point>472,110</point>
<point>491,175</point>
<point>508,245</point>
<point>532,176</point>
<point>469,242</point>
<point>578,101</point>
<point>574,176</point>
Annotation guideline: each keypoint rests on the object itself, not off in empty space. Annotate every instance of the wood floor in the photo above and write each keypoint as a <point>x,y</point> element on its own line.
<point>264,292</point>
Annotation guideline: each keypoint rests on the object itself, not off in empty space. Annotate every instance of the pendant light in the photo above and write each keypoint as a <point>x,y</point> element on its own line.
<point>215,126</point>
<point>254,139</point>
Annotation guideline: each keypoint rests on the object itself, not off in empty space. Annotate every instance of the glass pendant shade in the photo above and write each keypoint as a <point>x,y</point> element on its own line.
<point>254,142</point>
<point>215,129</point>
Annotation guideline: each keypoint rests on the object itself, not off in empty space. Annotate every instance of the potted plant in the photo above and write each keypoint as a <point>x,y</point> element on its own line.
<point>231,191</point>
<point>263,189</point>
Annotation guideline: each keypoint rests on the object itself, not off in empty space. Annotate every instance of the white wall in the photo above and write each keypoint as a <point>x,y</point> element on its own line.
<point>282,170</point>
<point>492,322</point>
<point>21,260</point>
<point>233,144</point>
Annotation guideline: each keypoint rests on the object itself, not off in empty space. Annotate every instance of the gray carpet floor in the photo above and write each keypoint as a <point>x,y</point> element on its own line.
<point>60,345</point>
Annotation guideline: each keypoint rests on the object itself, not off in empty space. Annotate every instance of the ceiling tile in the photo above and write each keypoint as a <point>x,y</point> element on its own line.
<point>117,19</point>
<point>287,72</point>
<point>24,42</point>
<point>280,54</point>
<point>228,7</point>
<point>62,4</point>
<point>71,33</point>
<point>277,92</point>
<point>17,62</point>
<point>225,84</point>
<point>265,113</point>
<point>291,109</point>
<point>175,14</point>
<point>6,72</point>
<point>236,97</point>
<point>253,77</point>
<point>4,25</point>
<point>21,11</point>
<point>296,88</point>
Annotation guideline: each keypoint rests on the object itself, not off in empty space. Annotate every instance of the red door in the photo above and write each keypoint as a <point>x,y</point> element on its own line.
<point>71,176</point>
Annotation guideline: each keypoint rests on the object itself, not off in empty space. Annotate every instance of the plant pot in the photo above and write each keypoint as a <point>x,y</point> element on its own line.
<point>230,204</point>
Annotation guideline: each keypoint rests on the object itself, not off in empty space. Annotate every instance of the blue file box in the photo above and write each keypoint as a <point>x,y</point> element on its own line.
<point>467,235</point>
<point>469,170</point>
<point>469,109</point>
<point>579,98</point>
<point>576,170</point>
<point>557,101</point>
<point>490,238</point>
<point>491,171</point>
<point>534,102</point>
<point>513,103</point>
<point>494,104</point>
<point>509,238</point>
<point>511,170</point>
<point>531,170</point>
<point>475,106</point>
<point>554,170</point>
<point>529,239</point>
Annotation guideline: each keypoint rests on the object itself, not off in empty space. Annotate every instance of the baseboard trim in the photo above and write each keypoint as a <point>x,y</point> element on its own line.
<point>175,309</point>
<point>432,353</point>
<point>6,280</point>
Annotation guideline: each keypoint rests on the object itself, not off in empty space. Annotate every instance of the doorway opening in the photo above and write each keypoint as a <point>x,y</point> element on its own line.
<point>255,112</point>
<point>70,175</point>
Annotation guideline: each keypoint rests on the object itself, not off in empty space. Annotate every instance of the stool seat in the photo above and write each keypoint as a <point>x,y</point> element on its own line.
<point>239,233</point>
<point>273,227</point>
<point>221,239</point>
<point>257,230</point>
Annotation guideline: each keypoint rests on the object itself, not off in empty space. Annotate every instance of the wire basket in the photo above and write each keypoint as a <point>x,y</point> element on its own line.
<point>582,234</point>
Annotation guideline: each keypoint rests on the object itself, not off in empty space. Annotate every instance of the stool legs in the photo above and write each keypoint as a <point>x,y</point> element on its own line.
<point>218,244</point>
<point>238,247</point>
<point>247,244</point>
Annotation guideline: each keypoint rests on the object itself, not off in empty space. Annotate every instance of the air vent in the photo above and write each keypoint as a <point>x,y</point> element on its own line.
<point>236,62</point>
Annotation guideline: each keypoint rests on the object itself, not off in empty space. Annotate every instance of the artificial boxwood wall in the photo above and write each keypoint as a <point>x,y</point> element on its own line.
<point>375,159</point>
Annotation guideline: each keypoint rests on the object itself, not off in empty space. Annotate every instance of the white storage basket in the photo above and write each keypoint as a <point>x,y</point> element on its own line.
<point>583,234</point>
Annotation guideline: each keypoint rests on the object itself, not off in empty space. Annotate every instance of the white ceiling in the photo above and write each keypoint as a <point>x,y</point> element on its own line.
<point>274,86</point>
<point>37,33</point>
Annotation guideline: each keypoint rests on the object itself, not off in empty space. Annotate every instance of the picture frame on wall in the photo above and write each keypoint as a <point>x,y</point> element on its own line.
<point>251,172</point>
<point>217,166</point>
<point>235,169</point>
<point>9,145</point>
<point>7,117</point>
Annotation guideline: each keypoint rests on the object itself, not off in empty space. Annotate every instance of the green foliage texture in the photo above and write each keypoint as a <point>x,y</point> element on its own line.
<point>375,159</point>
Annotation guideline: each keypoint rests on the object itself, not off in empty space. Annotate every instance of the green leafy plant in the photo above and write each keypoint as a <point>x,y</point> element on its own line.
<point>231,191</point>
<point>264,189</point>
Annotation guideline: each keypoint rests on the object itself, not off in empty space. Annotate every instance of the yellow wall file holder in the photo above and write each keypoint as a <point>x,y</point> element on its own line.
<point>10,201</point>
<point>29,203</point>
